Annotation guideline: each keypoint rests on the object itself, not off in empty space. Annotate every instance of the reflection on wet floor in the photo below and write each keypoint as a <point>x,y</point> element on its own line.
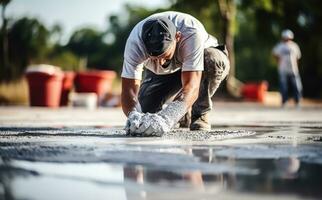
<point>291,175</point>
<point>40,169</point>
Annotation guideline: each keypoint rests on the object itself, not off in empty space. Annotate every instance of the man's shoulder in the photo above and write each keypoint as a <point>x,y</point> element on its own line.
<point>294,44</point>
<point>278,46</point>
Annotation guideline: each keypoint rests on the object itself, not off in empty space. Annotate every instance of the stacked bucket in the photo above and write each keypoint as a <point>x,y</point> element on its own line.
<point>50,87</point>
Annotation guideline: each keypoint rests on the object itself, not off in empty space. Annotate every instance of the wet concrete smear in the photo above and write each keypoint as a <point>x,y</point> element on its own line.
<point>183,134</point>
<point>178,134</point>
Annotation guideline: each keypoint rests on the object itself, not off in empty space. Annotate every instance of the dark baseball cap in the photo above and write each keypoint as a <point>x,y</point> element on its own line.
<point>157,35</point>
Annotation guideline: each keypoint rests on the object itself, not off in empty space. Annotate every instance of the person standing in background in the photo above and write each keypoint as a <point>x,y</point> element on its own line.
<point>287,54</point>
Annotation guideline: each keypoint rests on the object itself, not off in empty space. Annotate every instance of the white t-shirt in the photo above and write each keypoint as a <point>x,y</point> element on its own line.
<point>289,53</point>
<point>189,54</point>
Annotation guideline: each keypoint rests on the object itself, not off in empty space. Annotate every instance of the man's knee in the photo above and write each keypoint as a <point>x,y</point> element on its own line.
<point>216,64</point>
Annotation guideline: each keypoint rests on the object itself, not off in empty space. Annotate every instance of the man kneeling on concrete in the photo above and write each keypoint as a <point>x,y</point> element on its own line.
<point>183,64</point>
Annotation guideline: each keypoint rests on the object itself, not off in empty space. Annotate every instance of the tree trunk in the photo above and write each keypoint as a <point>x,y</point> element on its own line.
<point>4,38</point>
<point>228,14</point>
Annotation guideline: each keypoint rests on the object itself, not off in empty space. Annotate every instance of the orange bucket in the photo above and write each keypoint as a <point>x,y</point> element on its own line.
<point>255,91</point>
<point>99,82</point>
<point>67,85</point>
<point>44,88</point>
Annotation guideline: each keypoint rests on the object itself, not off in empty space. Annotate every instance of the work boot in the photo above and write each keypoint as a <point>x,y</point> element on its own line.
<point>185,120</point>
<point>200,123</point>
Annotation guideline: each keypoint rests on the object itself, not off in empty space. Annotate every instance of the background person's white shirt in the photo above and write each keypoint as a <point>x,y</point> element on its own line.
<point>289,53</point>
<point>189,54</point>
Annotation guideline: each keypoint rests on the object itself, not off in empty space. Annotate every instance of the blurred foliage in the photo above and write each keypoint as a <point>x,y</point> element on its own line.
<point>257,29</point>
<point>65,59</point>
<point>28,41</point>
<point>120,30</point>
<point>88,43</point>
<point>253,47</point>
<point>254,27</point>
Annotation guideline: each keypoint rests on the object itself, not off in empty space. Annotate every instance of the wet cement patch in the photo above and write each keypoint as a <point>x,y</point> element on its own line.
<point>230,162</point>
<point>284,131</point>
<point>268,133</point>
<point>179,134</point>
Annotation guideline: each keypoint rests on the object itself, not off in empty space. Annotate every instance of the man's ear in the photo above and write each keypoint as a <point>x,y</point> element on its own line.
<point>178,36</point>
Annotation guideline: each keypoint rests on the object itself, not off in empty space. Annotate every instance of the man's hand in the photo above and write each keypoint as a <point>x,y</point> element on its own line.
<point>147,124</point>
<point>133,122</point>
<point>153,125</point>
<point>158,123</point>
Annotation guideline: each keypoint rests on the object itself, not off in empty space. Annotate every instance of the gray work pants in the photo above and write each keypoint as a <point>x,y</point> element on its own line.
<point>156,89</point>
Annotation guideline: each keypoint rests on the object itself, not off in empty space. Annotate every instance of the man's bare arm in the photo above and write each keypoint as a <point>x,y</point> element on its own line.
<point>129,97</point>
<point>190,86</point>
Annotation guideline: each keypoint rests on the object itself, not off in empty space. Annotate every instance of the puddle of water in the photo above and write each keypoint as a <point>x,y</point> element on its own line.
<point>199,172</point>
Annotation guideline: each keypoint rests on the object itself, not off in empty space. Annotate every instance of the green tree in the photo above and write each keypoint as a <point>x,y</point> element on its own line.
<point>58,54</point>
<point>27,43</point>
<point>64,59</point>
<point>29,40</point>
<point>228,10</point>
<point>56,34</point>
<point>4,41</point>
<point>254,42</point>
<point>88,43</point>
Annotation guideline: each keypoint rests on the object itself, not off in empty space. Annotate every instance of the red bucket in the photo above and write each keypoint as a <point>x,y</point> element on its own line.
<point>44,88</point>
<point>99,82</point>
<point>68,83</point>
<point>255,91</point>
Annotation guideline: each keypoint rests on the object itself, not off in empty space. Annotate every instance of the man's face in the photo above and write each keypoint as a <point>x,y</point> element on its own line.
<point>166,56</point>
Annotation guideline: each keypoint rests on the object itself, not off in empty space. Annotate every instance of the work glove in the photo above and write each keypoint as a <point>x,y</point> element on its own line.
<point>133,122</point>
<point>163,121</point>
<point>153,125</point>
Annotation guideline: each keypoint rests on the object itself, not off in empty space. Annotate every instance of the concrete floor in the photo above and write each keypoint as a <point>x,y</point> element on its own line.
<point>252,152</point>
